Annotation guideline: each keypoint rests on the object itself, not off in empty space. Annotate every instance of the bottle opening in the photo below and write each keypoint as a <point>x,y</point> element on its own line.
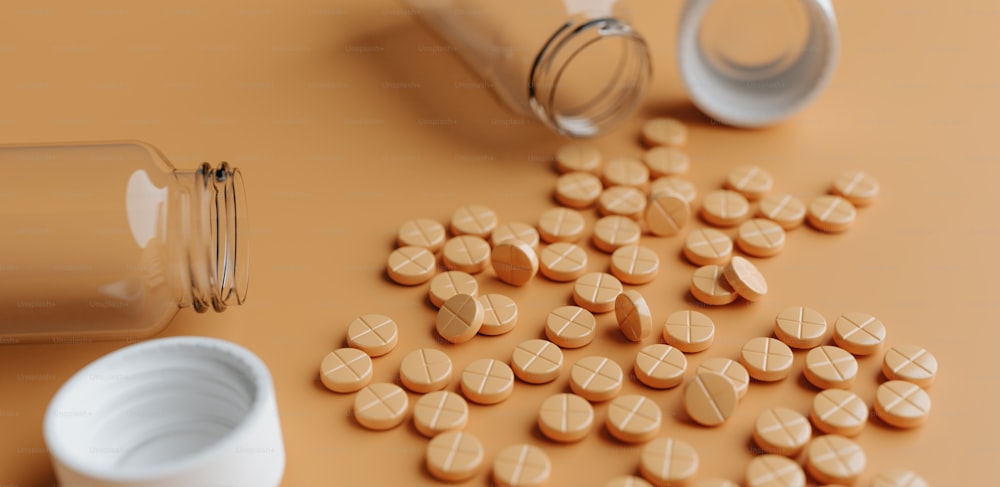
<point>754,40</point>
<point>220,262</point>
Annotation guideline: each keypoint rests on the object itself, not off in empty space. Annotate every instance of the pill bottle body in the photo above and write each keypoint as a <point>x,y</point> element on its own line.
<point>108,241</point>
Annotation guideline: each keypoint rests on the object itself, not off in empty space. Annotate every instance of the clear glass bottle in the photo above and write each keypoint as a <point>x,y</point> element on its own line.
<point>576,65</point>
<point>108,240</point>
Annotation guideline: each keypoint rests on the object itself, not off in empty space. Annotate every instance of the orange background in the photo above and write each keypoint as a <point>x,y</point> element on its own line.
<point>333,111</point>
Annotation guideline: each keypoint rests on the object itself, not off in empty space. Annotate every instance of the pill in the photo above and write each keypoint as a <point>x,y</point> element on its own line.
<point>596,378</point>
<point>766,359</point>
<point>660,366</point>
<point>521,465</point>
<point>448,284</point>
<point>578,189</point>
<point>625,171</point>
<point>536,361</point>
<point>623,201</point>
<point>440,411</point>
<point>831,214</point>
<point>836,411</point>
<point>627,481</point>
<point>745,278</point>
<point>858,187</point>
<point>421,232</point>
<point>784,209</point>
<point>562,261</point>
<point>752,182</point>
<point>570,326</point>
<point>713,483</point>
<point>709,286</point>
<point>760,237</point>
<point>517,231</point>
<point>774,471</point>
<point>731,370</point>
<point>487,381</point>
<point>663,131</point>
<point>830,367</point>
<point>634,319</point>
<point>425,370</point>
<point>902,404</point>
<point>910,363</point>
<point>410,265</point>
<point>710,399</point>
<point>578,157</point>
<point>466,253</point>
<point>596,291</point>
<point>668,462</point>
<point>374,334</point>
<point>707,246</point>
<point>635,264</point>
<point>675,185</point>
<point>781,431</point>
<point>565,417</point>
<point>834,459</point>
<point>615,231</point>
<point>561,225</point>
<point>473,220</point>
<point>514,262</point>
<point>459,318</point>
<point>345,370</point>
<point>800,327</point>
<point>859,333</point>
<point>499,314</point>
<point>666,161</point>
<point>666,214</point>
<point>380,406</point>
<point>454,456</point>
<point>633,418</point>
<point>689,331</point>
<point>724,208</point>
<point>896,477</point>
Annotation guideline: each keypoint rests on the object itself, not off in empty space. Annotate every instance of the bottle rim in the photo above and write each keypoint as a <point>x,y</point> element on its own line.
<point>226,253</point>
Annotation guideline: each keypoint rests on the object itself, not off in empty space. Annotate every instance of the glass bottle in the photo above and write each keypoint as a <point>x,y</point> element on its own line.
<point>576,65</point>
<point>108,240</point>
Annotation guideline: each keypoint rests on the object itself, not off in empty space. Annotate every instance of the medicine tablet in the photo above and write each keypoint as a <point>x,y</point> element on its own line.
<point>625,171</point>
<point>578,157</point>
<point>565,417</point>
<point>425,370</point>
<point>663,131</point>
<point>859,333</point>
<point>858,187</point>
<point>831,214</point>
<point>745,278</point>
<point>374,334</point>
<point>536,361</point>
<point>784,209</point>
<point>689,331</point>
<point>473,220</point>
<point>800,327</point>
<point>708,246</point>
<point>499,314</point>
<point>596,378</point>
<point>410,265</point>
<point>666,161</point>
<point>760,237</point>
<point>910,363</point>
<point>454,456</point>
<point>898,478</point>
<point>668,462</point>
<point>710,399</point>
<point>561,225</point>
<point>627,481</point>
<point>514,262</point>
<point>634,319</point>
<point>774,471</point>
<point>578,189</point>
<point>345,370</point>
<point>487,381</point>
<point>766,359</point>
<point>466,253</point>
<point>451,283</point>
<point>713,483</point>
<point>380,406</point>
<point>459,318</point>
<point>709,286</point>
<point>660,366</point>
<point>440,411</point>
<point>781,431</point>
<point>667,214</point>
<point>752,182</point>
<point>517,231</point>
<point>615,231</point>
<point>623,201</point>
<point>597,292</point>
<point>674,185</point>
<point>830,367</point>
<point>563,261</point>
<point>731,370</point>
<point>421,232</point>
<point>635,264</point>
<point>836,411</point>
<point>834,459</point>
<point>521,465</point>
<point>570,326</point>
<point>724,208</point>
<point>633,418</point>
<point>902,404</point>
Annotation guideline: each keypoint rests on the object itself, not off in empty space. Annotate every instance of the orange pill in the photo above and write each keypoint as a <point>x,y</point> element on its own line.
<point>380,406</point>
<point>784,209</point>
<point>562,261</point>
<point>859,333</point>
<point>766,359</point>
<point>709,285</point>
<point>625,171</point>
<point>800,327</point>
<point>689,331</point>
<point>424,370</point>
<point>663,131</point>
<point>514,262</point>
<point>708,246</point>
<point>635,264</point>
<point>597,292</point>
<point>660,366</point>
<point>421,232</point>
<point>596,378</point>
<point>448,284</point>
<point>902,404</point>
<point>410,265</point>
<point>578,189</point>
<point>836,411</point>
<point>578,157</point>
<point>565,417</point>
<point>760,237</point>
<point>710,399</point>
<point>487,381</point>
<point>570,326</point>
<point>517,231</point>
<point>858,187</point>
<point>634,319</point>
<point>831,214</point>
<point>473,220</point>
<point>910,363</point>
<point>896,477</point>
<point>633,418</point>
<point>668,462</point>
<point>752,182</point>
<point>724,208</point>
<point>499,314</point>
<point>623,201</point>
<point>666,161</point>
<point>678,186</point>
<point>466,253</point>
<point>835,459</point>
<point>666,214</point>
<point>440,411</point>
<point>774,471</point>
<point>459,318</point>
<point>615,231</point>
<point>345,370</point>
<point>830,367</point>
<point>561,225</point>
<point>745,278</point>
<point>454,456</point>
<point>731,370</point>
<point>781,431</point>
<point>374,334</point>
<point>521,465</point>
<point>536,361</point>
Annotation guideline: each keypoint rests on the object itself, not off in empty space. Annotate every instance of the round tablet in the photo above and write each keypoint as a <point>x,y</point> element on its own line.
<point>910,363</point>
<point>666,214</point>
<point>466,253</point>
<point>446,285</point>
<point>859,333</point>
<point>760,237</point>
<point>800,327</point>
<point>517,231</point>
<point>380,406</point>
<point>521,465</point>
<point>454,456</point>
<point>374,334</point>
<point>634,319</point>
<point>345,370</point>
<point>689,331</point>
<point>635,264</point>
<point>625,171</point>
<point>831,213</point>
<point>514,262</point>
<point>660,366</point>
<point>425,370</point>
<point>596,378</point>
<point>622,200</point>
<point>836,411</point>
<point>724,208</point>
<point>678,186</point>
<point>745,278</point>
<point>898,478</point>
<point>627,481</point>
<point>710,399</point>
<point>668,462</point>
<point>752,182</point>
<point>536,361</point>
<point>663,131</point>
<point>612,232</point>
<point>487,381</point>
<point>709,286</point>
<point>731,370</point>
<point>781,431</point>
<point>713,483</point>
<point>784,209</point>
<point>766,359</point>
<point>499,314</point>
<point>902,404</point>
<point>565,417</point>
<point>421,232</point>
<point>597,291</point>
<point>561,225</point>
<point>440,411</point>
<point>708,246</point>
<point>459,318</point>
<point>410,265</point>
<point>830,367</point>
<point>576,156</point>
<point>633,418</point>
<point>578,189</point>
<point>834,459</point>
<point>563,261</point>
<point>774,471</point>
<point>666,161</point>
<point>570,326</point>
<point>858,187</point>
<point>473,220</point>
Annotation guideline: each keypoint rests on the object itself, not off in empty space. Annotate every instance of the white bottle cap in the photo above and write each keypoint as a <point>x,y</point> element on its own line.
<point>167,412</point>
<point>757,93</point>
